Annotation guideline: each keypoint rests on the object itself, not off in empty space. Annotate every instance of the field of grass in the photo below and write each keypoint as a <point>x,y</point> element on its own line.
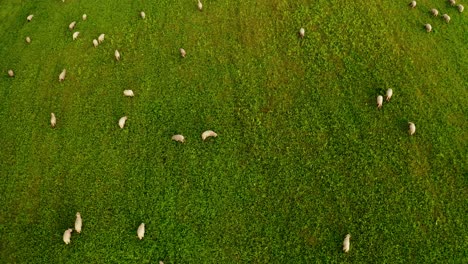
<point>303,156</point>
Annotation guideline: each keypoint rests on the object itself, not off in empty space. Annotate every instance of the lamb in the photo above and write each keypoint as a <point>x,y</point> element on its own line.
<point>452,2</point>
<point>411,128</point>
<point>178,138</point>
<point>412,4</point>
<point>78,222</point>
<point>389,94</point>
<point>101,38</point>
<point>141,231</point>
<point>207,134</point>
<point>428,27</point>
<point>75,35</point>
<point>28,40</point>
<point>53,120</point>
<point>182,53</point>
<point>11,73</point>
<point>122,121</point>
<point>117,55</point>
<point>72,25</point>
<point>379,101</point>
<point>302,32</point>
<point>142,14</point>
<point>434,12</point>
<point>67,236</point>
<point>30,17</point>
<point>200,5</point>
<point>128,93</point>
<point>446,18</point>
<point>62,75</point>
<point>346,243</point>
<point>460,8</point>
<point>84,17</point>
<point>95,43</point>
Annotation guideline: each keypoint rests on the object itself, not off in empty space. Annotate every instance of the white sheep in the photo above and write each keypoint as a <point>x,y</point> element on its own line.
<point>200,5</point>
<point>411,128</point>
<point>182,53</point>
<point>452,2</point>
<point>28,40</point>
<point>95,43</point>
<point>11,73</point>
<point>122,121</point>
<point>346,243</point>
<point>142,14</point>
<point>78,222</point>
<point>379,101</point>
<point>428,27</point>
<point>67,236</point>
<point>412,4</point>
<point>302,32</point>
<point>101,38</point>
<point>117,55</point>
<point>208,133</point>
<point>75,35</point>
<point>62,75</point>
<point>178,138</point>
<point>30,17</point>
<point>434,12</point>
<point>53,120</point>
<point>72,25</point>
<point>128,93</point>
<point>389,94</point>
<point>141,231</point>
<point>84,17</point>
<point>460,8</point>
<point>446,18</point>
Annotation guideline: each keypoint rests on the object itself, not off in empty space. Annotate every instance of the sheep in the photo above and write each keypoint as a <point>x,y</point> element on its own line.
<point>428,27</point>
<point>301,32</point>
<point>28,40</point>
<point>11,73</point>
<point>178,138</point>
<point>143,15</point>
<point>182,53</point>
<point>84,17</point>
<point>412,4</point>
<point>452,2</point>
<point>101,38</point>
<point>446,18</point>
<point>141,231</point>
<point>346,243</point>
<point>78,222</point>
<point>67,236</point>
<point>128,93</point>
<point>434,12</point>
<point>95,43</point>
<point>72,25</point>
<point>460,8</point>
<point>117,55</point>
<point>411,128</point>
<point>207,134</point>
<point>200,5</point>
<point>122,121</point>
<point>379,101</point>
<point>30,17</point>
<point>53,120</point>
<point>62,75</point>
<point>75,35</point>
<point>389,94</point>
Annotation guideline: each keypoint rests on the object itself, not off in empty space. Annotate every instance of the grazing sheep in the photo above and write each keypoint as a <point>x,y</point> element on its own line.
<point>128,93</point>
<point>178,138</point>
<point>182,53</point>
<point>434,12</point>
<point>460,8</point>
<point>28,40</point>
<point>379,101</point>
<point>302,32</point>
<point>53,120</point>
<point>452,2</point>
<point>412,4</point>
<point>85,17</point>
<point>75,35</point>
<point>72,25</point>
<point>200,5</point>
<point>428,27</point>
<point>142,14</point>
<point>62,75</point>
<point>208,133</point>
<point>30,17</point>
<point>117,55</point>
<point>389,94</point>
<point>67,236</point>
<point>122,121</point>
<point>412,128</point>
<point>346,243</point>
<point>141,231</point>
<point>95,43</point>
<point>11,73</point>
<point>446,18</point>
<point>78,222</point>
<point>101,38</point>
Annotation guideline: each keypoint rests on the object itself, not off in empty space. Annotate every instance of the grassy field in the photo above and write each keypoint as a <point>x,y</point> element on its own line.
<point>303,156</point>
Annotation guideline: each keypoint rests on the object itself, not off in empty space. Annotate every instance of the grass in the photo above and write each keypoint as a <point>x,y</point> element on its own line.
<point>303,156</point>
